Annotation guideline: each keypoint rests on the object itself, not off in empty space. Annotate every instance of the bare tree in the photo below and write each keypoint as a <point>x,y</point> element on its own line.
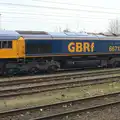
<point>114,27</point>
<point>66,30</point>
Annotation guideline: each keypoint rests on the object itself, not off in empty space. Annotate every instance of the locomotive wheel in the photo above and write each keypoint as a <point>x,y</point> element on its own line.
<point>115,64</point>
<point>52,69</point>
<point>33,70</point>
<point>11,71</point>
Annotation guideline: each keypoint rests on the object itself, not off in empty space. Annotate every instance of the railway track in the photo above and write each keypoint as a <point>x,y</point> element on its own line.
<point>34,79</point>
<point>33,85</point>
<point>60,71</point>
<point>60,110</point>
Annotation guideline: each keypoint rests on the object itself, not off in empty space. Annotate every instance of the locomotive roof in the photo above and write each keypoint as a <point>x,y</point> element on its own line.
<point>8,35</point>
<point>65,35</point>
<point>55,35</point>
<point>13,35</point>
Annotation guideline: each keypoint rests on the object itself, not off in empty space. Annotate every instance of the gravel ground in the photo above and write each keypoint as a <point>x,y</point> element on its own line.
<point>58,96</point>
<point>107,113</point>
<point>46,111</point>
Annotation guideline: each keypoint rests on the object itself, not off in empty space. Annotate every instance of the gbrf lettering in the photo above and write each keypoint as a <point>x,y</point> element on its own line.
<point>81,47</point>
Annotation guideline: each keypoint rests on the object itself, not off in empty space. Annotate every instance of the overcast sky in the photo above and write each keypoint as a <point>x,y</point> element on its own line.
<point>53,15</point>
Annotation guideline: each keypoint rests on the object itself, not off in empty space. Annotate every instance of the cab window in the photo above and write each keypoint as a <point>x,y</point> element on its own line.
<point>5,44</point>
<point>9,44</point>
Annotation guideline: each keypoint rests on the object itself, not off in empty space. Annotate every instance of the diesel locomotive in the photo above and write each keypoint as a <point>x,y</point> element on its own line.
<point>33,51</point>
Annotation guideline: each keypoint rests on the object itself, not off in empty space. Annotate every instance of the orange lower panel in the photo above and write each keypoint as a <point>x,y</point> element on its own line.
<point>8,53</point>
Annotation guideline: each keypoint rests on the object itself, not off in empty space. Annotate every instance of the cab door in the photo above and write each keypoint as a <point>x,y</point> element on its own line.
<point>21,47</point>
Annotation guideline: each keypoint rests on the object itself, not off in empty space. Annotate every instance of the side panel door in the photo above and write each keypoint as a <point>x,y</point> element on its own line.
<point>21,47</point>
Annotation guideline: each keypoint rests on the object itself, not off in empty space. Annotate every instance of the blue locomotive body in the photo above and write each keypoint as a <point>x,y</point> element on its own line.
<point>34,51</point>
<point>72,47</point>
<point>63,45</point>
<point>51,51</point>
